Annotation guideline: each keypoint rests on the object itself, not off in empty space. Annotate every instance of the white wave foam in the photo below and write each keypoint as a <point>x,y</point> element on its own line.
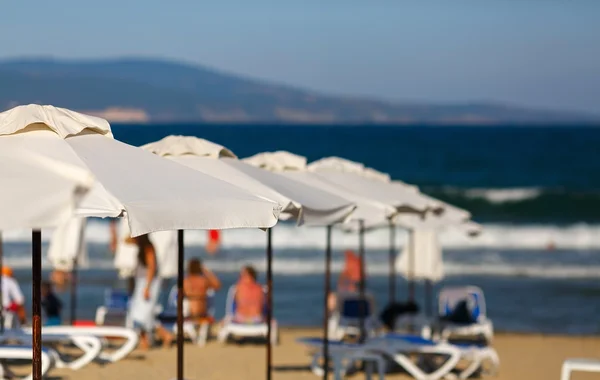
<point>301,266</point>
<point>501,236</point>
<point>504,195</point>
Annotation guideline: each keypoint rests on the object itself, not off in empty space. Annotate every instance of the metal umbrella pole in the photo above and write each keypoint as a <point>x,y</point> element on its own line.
<point>411,269</point>
<point>36,302</point>
<point>1,303</point>
<point>428,298</point>
<point>392,263</point>
<point>180,259</point>
<point>326,305</point>
<point>269,303</point>
<point>362,283</point>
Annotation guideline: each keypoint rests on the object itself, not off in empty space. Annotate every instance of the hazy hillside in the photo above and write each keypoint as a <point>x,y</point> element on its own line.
<point>154,90</point>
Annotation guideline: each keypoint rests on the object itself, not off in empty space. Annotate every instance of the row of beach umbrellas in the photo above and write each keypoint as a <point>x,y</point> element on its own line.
<point>58,164</point>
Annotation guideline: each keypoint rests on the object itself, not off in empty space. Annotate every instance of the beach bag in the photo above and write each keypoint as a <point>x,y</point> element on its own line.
<point>395,310</point>
<point>460,314</point>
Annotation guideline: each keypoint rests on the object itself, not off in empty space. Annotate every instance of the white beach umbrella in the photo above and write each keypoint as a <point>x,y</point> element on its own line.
<point>154,194</point>
<point>277,161</point>
<point>422,257</point>
<point>299,201</point>
<point>424,248</point>
<point>306,204</point>
<point>67,245</point>
<point>404,200</point>
<point>22,171</point>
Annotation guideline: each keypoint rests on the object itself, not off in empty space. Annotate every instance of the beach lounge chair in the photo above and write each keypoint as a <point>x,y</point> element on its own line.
<point>475,355</point>
<point>582,365</point>
<point>244,330</point>
<point>89,345</point>
<point>345,320</point>
<point>449,298</point>
<point>401,349</point>
<point>197,331</point>
<point>115,308</point>
<point>383,349</point>
<point>343,356</point>
<point>105,333</point>
<point>9,352</point>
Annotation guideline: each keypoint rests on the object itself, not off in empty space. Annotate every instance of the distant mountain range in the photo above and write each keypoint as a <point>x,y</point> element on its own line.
<point>146,90</point>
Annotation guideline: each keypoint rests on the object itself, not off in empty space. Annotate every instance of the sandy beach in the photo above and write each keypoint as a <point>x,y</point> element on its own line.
<point>527,357</point>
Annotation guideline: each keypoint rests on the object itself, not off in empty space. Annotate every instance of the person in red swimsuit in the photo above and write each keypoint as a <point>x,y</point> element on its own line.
<point>349,279</point>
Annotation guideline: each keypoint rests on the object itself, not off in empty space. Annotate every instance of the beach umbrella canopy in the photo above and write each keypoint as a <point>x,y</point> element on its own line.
<point>67,245</point>
<point>294,166</point>
<point>422,255</point>
<point>155,194</point>
<point>304,203</point>
<point>421,258</point>
<point>277,161</point>
<point>393,194</point>
<point>448,215</point>
<point>37,191</point>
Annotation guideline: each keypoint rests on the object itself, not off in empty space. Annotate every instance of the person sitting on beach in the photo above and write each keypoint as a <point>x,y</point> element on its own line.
<point>195,288</point>
<point>12,296</point>
<point>249,298</point>
<point>349,279</point>
<point>51,304</point>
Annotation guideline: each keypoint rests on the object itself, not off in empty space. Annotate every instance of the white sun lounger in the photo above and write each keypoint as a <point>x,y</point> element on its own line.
<point>476,355</point>
<point>345,319</point>
<point>244,330</point>
<point>343,356</point>
<point>198,333</point>
<point>449,297</point>
<point>582,365</point>
<point>130,337</point>
<point>399,349</point>
<point>25,353</point>
<point>89,345</point>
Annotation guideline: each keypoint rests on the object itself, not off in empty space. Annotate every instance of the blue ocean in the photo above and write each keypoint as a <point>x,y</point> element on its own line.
<point>536,191</point>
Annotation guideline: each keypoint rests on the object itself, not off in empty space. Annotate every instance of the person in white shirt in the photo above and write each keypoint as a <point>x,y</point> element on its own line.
<point>12,296</point>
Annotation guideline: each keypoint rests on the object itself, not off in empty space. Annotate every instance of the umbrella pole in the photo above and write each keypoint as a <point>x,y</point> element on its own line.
<point>392,279</point>
<point>428,298</point>
<point>180,259</point>
<point>362,285</point>
<point>411,264</point>
<point>1,305</point>
<point>326,309</point>
<point>269,301</point>
<point>36,302</point>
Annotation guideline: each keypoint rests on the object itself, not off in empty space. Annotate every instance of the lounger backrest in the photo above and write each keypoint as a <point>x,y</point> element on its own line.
<point>451,296</point>
<point>231,305</point>
<point>352,304</point>
<point>115,299</point>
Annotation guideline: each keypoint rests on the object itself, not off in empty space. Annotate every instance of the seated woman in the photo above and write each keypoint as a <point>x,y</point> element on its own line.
<point>349,279</point>
<point>249,298</point>
<point>195,288</point>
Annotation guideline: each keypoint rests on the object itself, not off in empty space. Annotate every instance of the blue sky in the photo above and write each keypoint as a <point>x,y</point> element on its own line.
<point>543,53</point>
